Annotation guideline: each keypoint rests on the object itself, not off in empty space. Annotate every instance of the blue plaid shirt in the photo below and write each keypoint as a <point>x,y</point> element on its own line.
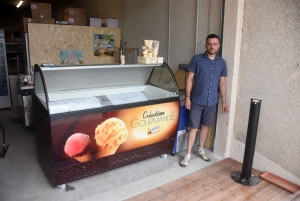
<point>207,74</point>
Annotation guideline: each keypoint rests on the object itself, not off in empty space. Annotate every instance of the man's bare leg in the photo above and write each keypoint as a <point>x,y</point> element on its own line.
<point>191,139</point>
<point>203,134</point>
<point>201,152</point>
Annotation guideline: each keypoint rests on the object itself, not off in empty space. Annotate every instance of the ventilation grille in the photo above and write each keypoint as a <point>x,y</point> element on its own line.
<point>75,172</point>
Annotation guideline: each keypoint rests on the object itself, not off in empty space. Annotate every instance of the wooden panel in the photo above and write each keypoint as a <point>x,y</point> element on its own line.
<point>280,196</point>
<point>46,41</point>
<point>210,137</point>
<point>214,183</point>
<point>142,196</point>
<point>211,183</point>
<point>266,193</point>
<point>224,192</point>
<point>210,190</point>
<point>249,191</point>
<point>156,192</point>
<point>232,198</point>
<point>281,182</point>
<point>187,191</point>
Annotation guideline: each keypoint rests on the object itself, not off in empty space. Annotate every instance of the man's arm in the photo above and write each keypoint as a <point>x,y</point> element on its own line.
<point>222,84</point>
<point>188,89</point>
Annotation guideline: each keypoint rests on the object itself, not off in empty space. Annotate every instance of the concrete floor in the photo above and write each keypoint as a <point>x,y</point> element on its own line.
<point>22,179</point>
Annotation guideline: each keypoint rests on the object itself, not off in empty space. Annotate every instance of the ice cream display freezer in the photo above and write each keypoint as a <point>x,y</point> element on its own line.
<point>95,118</point>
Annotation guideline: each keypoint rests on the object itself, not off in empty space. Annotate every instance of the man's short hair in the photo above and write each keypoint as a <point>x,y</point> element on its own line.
<point>212,36</point>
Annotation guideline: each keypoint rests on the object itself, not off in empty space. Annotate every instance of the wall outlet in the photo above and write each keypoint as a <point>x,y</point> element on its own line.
<point>183,66</point>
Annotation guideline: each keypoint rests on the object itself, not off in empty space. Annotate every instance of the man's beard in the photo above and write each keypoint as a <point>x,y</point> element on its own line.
<point>211,52</point>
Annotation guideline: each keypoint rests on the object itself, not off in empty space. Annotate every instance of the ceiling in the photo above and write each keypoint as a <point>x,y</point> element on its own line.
<point>26,3</point>
<point>54,3</point>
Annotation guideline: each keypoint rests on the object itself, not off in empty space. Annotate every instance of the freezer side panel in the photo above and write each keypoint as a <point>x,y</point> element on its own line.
<point>43,139</point>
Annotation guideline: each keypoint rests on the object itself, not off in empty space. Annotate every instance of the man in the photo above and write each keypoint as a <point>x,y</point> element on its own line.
<point>209,72</point>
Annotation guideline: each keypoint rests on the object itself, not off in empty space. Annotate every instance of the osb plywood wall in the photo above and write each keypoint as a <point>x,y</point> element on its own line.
<point>46,41</point>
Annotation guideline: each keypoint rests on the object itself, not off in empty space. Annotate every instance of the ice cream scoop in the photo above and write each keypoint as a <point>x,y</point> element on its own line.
<point>76,144</point>
<point>109,135</point>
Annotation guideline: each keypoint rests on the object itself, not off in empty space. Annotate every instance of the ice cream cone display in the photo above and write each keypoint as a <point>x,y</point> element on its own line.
<point>150,52</point>
<point>155,48</point>
<point>77,147</point>
<point>147,48</point>
<point>85,155</point>
<point>107,151</point>
<point>109,135</point>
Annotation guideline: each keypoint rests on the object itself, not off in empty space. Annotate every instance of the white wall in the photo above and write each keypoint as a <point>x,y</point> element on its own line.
<point>264,64</point>
<point>154,19</point>
<point>146,20</point>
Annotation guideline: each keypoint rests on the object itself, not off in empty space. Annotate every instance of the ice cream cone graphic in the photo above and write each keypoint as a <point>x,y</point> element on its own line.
<point>77,147</point>
<point>109,135</point>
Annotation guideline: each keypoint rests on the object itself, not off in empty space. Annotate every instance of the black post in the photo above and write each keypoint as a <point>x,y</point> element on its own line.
<point>246,177</point>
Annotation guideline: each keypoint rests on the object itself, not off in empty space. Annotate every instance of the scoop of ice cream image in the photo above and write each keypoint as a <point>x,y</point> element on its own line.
<point>109,135</point>
<point>76,145</point>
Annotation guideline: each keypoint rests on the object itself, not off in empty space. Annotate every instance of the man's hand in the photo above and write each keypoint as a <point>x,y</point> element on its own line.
<point>187,103</point>
<point>225,108</point>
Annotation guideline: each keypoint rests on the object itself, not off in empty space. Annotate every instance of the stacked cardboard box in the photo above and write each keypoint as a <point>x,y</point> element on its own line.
<point>45,20</point>
<point>95,22</point>
<point>150,60</point>
<point>110,22</point>
<point>40,13</point>
<point>75,16</point>
<point>25,23</point>
<point>42,10</point>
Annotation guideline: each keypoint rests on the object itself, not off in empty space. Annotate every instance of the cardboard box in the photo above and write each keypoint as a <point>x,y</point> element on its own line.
<point>75,16</point>
<point>25,23</point>
<point>45,20</point>
<point>95,22</point>
<point>110,22</point>
<point>150,60</point>
<point>160,60</point>
<point>147,60</point>
<point>42,10</point>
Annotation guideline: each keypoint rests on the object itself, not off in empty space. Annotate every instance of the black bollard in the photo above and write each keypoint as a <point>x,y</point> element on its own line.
<point>246,177</point>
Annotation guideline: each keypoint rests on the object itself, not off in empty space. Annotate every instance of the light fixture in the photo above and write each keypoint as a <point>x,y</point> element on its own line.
<point>20,3</point>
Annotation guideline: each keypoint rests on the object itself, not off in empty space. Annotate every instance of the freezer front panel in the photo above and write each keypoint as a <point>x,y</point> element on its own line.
<point>108,133</point>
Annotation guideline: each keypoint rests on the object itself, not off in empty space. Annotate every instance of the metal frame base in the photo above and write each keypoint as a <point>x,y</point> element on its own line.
<point>254,180</point>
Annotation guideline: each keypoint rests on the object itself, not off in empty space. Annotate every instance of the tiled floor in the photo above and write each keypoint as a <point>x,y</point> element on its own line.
<point>22,179</point>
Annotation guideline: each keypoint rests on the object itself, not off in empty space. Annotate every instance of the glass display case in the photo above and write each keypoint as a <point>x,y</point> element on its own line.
<point>5,99</point>
<point>91,119</point>
<point>15,63</point>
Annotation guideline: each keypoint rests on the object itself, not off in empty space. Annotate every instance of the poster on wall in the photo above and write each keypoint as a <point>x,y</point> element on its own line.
<point>71,57</point>
<point>104,45</point>
<point>94,136</point>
